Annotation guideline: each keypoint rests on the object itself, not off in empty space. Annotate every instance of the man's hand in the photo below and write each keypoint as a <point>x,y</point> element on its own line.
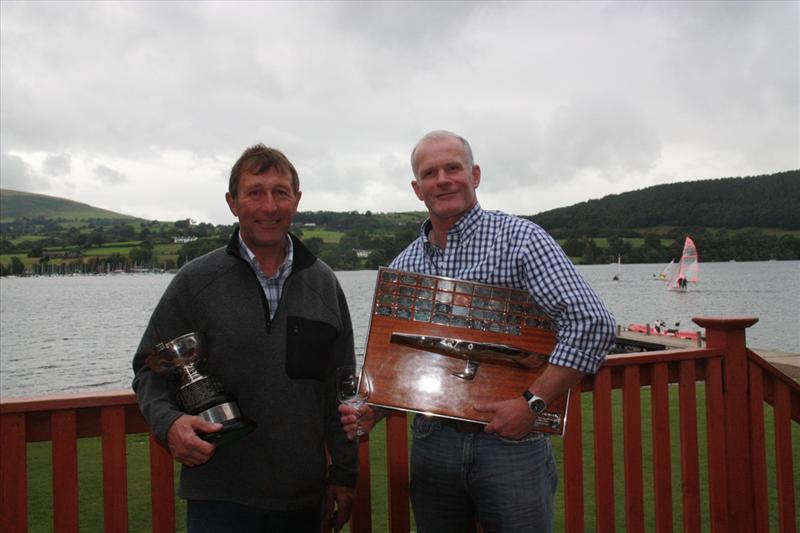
<point>350,418</point>
<point>512,419</point>
<point>184,444</point>
<point>338,505</point>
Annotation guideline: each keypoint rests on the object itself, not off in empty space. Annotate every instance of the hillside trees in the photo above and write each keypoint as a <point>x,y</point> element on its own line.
<point>194,249</point>
<point>15,267</point>
<point>768,201</point>
<point>733,218</point>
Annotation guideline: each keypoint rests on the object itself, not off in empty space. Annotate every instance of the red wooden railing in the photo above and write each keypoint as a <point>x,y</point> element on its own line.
<point>736,383</point>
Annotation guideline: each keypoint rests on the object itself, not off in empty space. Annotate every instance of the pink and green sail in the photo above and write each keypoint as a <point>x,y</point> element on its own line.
<point>688,268</point>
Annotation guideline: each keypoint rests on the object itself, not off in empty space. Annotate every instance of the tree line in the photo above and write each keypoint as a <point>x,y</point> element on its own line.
<point>713,245</point>
<point>742,219</point>
<point>768,201</point>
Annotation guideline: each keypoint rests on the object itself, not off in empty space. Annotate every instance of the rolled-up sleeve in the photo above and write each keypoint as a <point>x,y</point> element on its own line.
<point>585,328</point>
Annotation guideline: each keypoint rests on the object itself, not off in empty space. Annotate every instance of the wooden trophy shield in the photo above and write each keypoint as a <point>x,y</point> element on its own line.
<point>439,345</point>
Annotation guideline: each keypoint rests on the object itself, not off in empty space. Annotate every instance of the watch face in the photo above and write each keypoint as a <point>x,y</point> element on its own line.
<point>538,405</point>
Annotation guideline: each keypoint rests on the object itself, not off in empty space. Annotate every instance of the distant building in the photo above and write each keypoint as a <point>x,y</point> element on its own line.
<point>310,225</point>
<point>183,240</point>
<point>362,254</point>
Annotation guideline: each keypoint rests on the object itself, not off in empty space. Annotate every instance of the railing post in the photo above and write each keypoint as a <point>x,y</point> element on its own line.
<point>162,488</point>
<point>728,334</point>
<point>13,474</point>
<point>398,474</point>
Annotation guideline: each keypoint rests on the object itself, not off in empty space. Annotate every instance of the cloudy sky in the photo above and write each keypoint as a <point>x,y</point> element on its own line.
<point>142,107</point>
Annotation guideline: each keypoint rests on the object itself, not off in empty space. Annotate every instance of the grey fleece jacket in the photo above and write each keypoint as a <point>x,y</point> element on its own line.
<point>280,372</point>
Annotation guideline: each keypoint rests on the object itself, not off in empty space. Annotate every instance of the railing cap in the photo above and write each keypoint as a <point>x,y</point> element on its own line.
<point>726,323</point>
<point>24,404</point>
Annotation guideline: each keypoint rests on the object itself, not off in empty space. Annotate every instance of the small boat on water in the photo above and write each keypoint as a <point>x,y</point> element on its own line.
<point>688,268</point>
<point>619,268</point>
<point>660,328</point>
<point>667,272</point>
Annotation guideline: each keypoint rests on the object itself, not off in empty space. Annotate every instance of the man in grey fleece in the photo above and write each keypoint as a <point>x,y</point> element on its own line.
<point>276,326</point>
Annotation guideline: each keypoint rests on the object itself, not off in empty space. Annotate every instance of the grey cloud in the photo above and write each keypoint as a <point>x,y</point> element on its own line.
<point>109,176</point>
<point>58,164</point>
<point>405,26</point>
<point>336,85</point>
<point>605,135</point>
<point>18,175</point>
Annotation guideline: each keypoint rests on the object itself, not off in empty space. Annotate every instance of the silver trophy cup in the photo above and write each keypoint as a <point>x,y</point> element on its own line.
<point>199,394</point>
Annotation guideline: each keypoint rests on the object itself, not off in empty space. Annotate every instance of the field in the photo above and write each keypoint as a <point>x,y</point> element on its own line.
<point>327,236</point>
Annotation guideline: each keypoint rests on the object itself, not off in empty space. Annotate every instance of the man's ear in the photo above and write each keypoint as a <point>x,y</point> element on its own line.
<point>417,191</point>
<point>232,204</point>
<point>476,176</point>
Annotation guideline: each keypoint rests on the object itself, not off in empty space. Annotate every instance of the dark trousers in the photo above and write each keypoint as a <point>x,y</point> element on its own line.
<point>205,516</point>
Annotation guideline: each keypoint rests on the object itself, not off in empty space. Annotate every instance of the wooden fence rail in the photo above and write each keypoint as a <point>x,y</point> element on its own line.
<point>730,494</point>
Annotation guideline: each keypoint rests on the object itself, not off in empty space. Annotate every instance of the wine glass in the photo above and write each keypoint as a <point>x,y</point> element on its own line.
<point>349,392</point>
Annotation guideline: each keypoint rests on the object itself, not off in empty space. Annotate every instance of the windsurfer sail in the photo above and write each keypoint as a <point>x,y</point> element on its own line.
<point>688,268</point>
<point>667,272</point>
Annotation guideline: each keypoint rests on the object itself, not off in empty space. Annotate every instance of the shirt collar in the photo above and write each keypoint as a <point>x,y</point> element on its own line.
<point>462,230</point>
<point>246,253</point>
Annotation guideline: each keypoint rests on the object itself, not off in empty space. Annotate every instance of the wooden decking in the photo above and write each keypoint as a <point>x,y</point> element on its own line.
<point>788,363</point>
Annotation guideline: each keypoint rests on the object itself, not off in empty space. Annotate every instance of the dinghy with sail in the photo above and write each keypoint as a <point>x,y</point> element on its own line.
<point>667,272</point>
<point>688,268</point>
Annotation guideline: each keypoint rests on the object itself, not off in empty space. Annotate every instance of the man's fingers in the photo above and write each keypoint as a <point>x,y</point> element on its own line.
<point>185,444</point>
<point>200,425</point>
<point>345,410</point>
<point>485,407</point>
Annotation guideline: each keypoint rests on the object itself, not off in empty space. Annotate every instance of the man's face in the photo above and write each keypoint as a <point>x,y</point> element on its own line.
<point>265,205</point>
<point>446,183</point>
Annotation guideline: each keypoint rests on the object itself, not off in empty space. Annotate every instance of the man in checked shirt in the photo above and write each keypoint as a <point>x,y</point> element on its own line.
<point>503,474</point>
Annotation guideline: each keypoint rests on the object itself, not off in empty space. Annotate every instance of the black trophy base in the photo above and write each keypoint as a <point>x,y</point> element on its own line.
<point>232,430</point>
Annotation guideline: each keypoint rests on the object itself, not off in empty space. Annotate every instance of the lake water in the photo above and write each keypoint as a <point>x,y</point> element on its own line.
<point>70,334</point>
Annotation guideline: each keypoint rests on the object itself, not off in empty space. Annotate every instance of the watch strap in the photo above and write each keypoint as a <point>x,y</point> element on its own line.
<point>527,395</point>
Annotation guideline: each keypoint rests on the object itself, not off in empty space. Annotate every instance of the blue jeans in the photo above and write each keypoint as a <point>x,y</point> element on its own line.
<point>458,478</point>
<point>207,516</point>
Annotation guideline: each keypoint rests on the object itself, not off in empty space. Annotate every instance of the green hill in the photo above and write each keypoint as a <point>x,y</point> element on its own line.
<point>17,204</point>
<point>768,201</point>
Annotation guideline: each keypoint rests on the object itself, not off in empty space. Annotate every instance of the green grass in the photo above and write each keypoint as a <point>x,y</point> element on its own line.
<point>23,238</point>
<point>327,236</point>
<point>167,249</point>
<point>16,204</point>
<point>90,489</point>
<point>90,474</point>
<point>5,259</point>
<point>162,253</point>
<point>107,250</point>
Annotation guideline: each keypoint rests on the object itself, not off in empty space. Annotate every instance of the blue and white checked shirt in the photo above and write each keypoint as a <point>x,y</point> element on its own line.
<point>500,249</point>
<point>273,287</point>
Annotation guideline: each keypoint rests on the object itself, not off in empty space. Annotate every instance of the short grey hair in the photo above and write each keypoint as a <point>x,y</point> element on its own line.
<point>441,134</point>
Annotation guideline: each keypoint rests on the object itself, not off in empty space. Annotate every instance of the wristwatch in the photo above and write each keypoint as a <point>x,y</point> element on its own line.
<point>536,403</point>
